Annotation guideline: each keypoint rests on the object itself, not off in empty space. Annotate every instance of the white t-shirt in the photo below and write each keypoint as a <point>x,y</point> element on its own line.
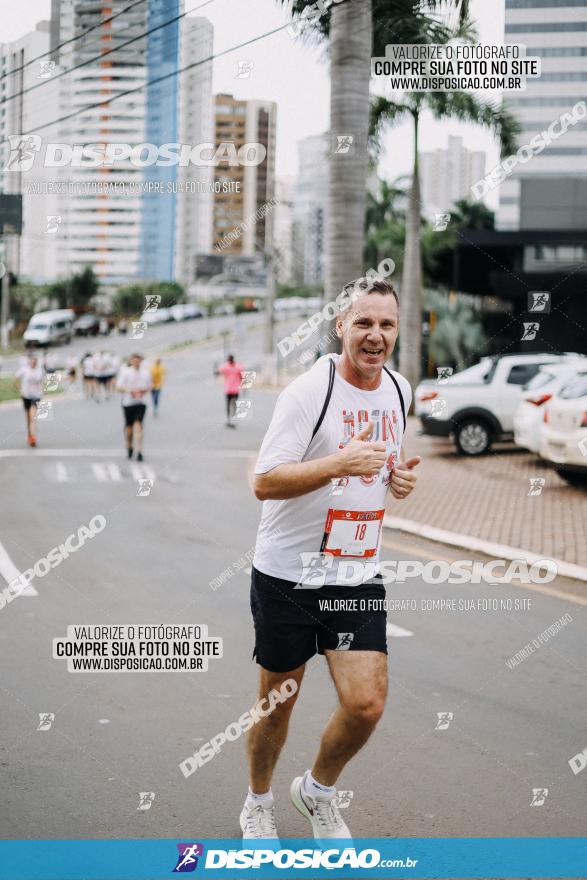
<point>101,364</point>
<point>294,526</point>
<point>31,381</point>
<point>134,380</point>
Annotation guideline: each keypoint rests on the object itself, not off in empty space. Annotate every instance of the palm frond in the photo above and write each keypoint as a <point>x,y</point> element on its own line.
<point>467,107</point>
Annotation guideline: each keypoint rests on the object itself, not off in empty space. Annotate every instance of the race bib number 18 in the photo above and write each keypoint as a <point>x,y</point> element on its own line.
<point>352,532</point>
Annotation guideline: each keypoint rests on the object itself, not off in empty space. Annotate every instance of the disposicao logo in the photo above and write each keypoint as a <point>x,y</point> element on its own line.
<point>187,859</point>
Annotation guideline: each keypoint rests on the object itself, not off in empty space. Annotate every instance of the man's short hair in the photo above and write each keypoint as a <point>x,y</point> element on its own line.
<point>364,286</point>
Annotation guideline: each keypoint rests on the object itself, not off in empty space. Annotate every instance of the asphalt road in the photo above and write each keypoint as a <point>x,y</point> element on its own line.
<point>155,338</point>
<point>115,735</point>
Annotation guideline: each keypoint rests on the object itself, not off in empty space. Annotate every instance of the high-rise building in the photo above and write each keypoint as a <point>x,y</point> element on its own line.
<point>310,203</point>
<point>244,189</point>
<point>194,199</point>
<point>151,227</point>
<point>102,228</point>
<point>550,190</point>
<point>33,255</point>
<point>446,175</point>
<point>283,229</point>
<point>161,127</point>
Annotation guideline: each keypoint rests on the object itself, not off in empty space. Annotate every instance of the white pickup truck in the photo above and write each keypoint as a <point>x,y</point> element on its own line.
<point>477,405</point>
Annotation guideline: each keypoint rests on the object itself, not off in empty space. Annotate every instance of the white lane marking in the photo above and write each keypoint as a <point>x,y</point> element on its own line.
<point>106,471</point>
<point>397,632</point>
<point>61,472</point>
<point>60,453</point>
<point>9,572</point>
<point>141,471</point>
<point>112,453</point>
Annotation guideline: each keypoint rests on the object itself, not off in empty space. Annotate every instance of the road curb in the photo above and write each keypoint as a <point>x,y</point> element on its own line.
<point>469,542</point>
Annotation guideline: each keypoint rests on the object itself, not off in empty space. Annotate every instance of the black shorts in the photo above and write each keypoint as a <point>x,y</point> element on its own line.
<point>134,413</point>
<point>231,396</point>
<point>291,626</point>
<point>30,401</point>
<point>103,379</point>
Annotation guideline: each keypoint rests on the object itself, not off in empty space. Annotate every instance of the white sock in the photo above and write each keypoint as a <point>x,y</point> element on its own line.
<point>253,800</point>
<point>316,789</point>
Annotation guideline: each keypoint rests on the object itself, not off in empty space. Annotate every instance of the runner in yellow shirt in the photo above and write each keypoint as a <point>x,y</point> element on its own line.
<point>158,372</point>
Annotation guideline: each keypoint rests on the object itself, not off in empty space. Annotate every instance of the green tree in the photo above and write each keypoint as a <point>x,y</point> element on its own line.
<point>82,287</point>
<point>128,300</point>
<point>57,293</point>
<point>358,30</point>
<point>385,225</point>
<point>443,105</point>
<point>132,298</point>
<point>458,337</point>
<point>170,292</point>
<point>440,250</point>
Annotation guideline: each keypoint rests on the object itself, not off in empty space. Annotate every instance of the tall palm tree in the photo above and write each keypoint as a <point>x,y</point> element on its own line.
<point>358,30</point>
<point>465,107</point>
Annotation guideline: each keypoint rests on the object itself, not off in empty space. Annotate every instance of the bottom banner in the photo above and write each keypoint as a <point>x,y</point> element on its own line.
<point>371,857</point>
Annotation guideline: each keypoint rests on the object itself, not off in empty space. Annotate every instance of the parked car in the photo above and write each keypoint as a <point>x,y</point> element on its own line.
<point>224,309</point>
<point>157,316</point>
<point>178,312</point>
<point>191,310</point>
<point>547,382</point>
<point>563,438</point>
<point>476,406</point>
<point>52,327</point>
<point>86,325</point>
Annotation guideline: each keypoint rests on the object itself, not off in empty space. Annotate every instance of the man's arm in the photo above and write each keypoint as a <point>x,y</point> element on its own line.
<point>359,458</point>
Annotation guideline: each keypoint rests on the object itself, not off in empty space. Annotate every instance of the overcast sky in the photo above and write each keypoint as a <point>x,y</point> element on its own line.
<point>287,71</point>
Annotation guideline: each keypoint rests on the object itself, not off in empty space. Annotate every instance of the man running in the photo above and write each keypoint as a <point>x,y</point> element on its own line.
<point>101,370</point>
<point>157,378</point>
<point>324,496</point>
<point>233,374</point>
<point>31,375</point>
<point>88,379</point>
<point>134,382</point>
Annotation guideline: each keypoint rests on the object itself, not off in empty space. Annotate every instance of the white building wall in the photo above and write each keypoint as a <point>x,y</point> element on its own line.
<point>196,126</point>
<point>544,100</point>
<point>100,229</point>
<point>35,256</point>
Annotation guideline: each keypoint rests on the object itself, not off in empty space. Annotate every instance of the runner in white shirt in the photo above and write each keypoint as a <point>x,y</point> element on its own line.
<point>332,451</point>
<point>101,370</point>
<point>89,381</point>
<point>31,375</point>
<point>134,382</point>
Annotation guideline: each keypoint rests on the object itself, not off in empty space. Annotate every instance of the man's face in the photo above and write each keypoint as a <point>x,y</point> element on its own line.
<point>33,362</point>
<point>135,362</point>
<point>369,330</point>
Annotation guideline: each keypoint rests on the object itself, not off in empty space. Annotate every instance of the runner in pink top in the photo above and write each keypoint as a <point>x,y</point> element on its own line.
<point>233,374</point>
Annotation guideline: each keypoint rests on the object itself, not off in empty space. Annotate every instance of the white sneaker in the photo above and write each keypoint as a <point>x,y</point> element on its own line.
<point>258,821</point>
<point>321,812</point>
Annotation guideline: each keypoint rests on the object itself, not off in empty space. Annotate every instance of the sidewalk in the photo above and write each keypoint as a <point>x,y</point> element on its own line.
<point>487,498</point>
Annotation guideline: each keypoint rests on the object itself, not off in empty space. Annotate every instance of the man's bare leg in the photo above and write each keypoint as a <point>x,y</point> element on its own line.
<point>128,436</point>
<point>266,738</point>
<point>360,678</point>
<point>138,444</point>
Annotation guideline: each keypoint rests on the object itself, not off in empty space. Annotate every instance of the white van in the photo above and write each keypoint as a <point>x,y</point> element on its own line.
<point>45,328</point>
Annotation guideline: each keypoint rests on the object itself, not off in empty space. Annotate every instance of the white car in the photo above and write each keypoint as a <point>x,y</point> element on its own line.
<point>528,417</point>
<point>477,405</point>
<point>54,326</point>
<point>563,438</point>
